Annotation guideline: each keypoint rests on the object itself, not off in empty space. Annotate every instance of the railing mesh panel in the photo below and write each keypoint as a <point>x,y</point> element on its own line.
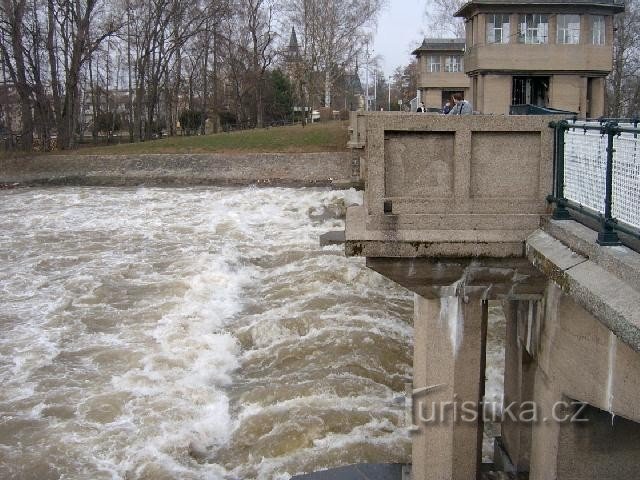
<point>626,179</point>
<point>585,167</point>
<point>585,162</point>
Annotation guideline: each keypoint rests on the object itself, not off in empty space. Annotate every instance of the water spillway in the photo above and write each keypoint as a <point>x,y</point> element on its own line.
<point>192,333</point>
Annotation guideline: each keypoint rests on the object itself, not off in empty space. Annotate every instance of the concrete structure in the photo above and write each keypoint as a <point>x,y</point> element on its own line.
<point>540,52</point>
<point>441,71</point>
<point>454,210</point>
<point>312,169</point>
<point>363,471</point>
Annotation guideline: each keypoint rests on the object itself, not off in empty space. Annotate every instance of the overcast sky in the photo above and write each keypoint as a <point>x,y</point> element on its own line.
<point>400,28</point>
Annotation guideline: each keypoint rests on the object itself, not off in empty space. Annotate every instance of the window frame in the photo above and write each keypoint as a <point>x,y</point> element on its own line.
<point>532,33</point>
<point>564,32</point>
<point>491,31</point>
<point>602,33</point>
<point>431,63</point>
<point>452,64</point>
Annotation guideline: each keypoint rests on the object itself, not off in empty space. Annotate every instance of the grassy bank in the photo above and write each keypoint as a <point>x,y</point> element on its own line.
<point>320,137</point>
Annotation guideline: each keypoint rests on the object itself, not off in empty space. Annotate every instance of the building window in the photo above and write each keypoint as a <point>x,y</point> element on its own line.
<point>530,90</point>
<point>452,64</point>
<point>597,30</point>
<point>533,28</point>
<point>498,30</point>
<point>433,63</point>
<point>569,29</point>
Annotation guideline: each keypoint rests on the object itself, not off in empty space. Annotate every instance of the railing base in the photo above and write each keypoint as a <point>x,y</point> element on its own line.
<point>608,239</point>
<point>561,213</point>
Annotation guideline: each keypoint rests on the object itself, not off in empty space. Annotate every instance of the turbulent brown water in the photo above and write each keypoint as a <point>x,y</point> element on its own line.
<point>196,333</point>
<point>192,333</point>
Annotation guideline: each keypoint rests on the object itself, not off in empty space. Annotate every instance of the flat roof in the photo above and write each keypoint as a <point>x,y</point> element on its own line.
<point>440,44</point>
<point>615,5</point>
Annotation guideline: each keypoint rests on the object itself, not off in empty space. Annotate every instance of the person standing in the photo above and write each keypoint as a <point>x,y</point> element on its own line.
<point>461,107</point>
<point>420,108</point>
<point>447,108</point>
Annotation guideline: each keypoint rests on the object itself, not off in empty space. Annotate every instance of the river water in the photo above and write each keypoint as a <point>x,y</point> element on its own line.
<point>197,333</point>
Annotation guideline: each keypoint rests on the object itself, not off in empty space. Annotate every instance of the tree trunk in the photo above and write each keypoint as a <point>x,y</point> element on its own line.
<point>205,82</point>
<point>327,88</point>
<point>16,15</point>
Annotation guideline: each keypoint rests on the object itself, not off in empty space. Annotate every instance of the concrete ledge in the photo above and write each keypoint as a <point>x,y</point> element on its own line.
<point>335,237</point>
<point>414,249</point>
<point>411,243</point>
<point>489,278</point>
<point>603,293</point>
<point>622,261</point>
<point>363,471</point>
<point>273,169</point>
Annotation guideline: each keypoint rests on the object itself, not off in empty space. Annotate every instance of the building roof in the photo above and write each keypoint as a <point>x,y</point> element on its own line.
<point>293,40</point>
<point>440,44</point>
<point>616,6</point>
<point>292,53</point>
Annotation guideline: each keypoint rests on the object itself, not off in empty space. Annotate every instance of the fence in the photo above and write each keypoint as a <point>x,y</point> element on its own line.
<point>597,172</point>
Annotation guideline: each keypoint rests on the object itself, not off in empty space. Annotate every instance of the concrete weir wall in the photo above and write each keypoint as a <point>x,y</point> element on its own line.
<point>277,169</point>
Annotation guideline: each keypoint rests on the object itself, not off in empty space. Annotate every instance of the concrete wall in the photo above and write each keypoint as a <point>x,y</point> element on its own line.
<point>451,180</point>
<point>569,92</point>
<point>184,169</point>
<point>495,94</point>
<point>453,210</point>
<point>596,107</point>
<point>539,58</point>
<point>443,80</point>
<point>566,355</point>
<point>432,97</point>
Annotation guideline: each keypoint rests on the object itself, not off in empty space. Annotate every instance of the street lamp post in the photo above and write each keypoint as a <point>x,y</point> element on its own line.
<point>366,81</point>
<point>389,92</point>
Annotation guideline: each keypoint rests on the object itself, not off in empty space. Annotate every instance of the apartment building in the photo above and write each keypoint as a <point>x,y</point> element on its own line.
<point>441,71</point>
<point>542,52</point>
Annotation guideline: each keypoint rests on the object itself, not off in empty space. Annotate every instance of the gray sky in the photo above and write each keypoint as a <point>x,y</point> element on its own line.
<point>399,32</point>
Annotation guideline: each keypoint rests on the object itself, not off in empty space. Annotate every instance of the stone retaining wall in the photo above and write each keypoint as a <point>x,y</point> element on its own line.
<point>302,169</point>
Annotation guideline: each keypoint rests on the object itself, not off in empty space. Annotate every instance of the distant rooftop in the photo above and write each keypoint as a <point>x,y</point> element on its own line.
<point>616,5</point>
<point>440,44</point>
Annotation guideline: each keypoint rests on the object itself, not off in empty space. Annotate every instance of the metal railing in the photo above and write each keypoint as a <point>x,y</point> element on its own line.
<point>597,173</point>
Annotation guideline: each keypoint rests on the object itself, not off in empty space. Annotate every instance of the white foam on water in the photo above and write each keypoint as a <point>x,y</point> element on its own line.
<point>121,315</point>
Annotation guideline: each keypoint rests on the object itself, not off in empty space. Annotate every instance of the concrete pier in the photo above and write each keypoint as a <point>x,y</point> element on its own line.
<point>449,338</point>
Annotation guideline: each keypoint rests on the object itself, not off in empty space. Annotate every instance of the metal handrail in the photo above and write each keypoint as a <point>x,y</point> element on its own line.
<point>609,226</point>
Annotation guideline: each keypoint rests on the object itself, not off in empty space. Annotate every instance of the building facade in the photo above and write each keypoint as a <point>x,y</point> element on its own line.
<point>441,71</point>
<point>540,52</point>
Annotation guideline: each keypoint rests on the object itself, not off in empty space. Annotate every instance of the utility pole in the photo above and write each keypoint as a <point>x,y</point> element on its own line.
<point>375,90</point>
<point>389,92</point>
<point>366,81</point>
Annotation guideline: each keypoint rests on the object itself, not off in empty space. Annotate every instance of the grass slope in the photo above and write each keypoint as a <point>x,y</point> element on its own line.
<point>321,137</point>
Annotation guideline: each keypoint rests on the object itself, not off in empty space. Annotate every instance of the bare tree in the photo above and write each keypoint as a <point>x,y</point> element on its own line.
<point>333,34</point>
<point>80,27</point>
<point>623,86</point>
<point>440,21</point>
<point>257,23</point>
<point>13,13</point>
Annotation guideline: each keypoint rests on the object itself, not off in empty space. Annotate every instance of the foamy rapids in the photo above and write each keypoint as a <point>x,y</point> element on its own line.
<point>199,333</point>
